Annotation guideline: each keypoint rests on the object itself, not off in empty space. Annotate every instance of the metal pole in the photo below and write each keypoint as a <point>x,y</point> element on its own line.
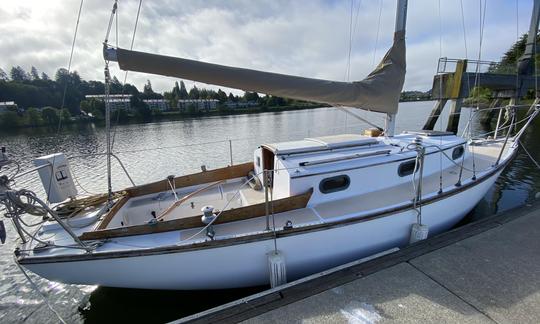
<point>401,15</point>
<point>124,168</point>
<point>422,153</point>
<point>498,124</point>
<point>230,151</point>
<point>267,208</point>
<point>390,125</point>
<point>505,141</point>
<point>108,130</point>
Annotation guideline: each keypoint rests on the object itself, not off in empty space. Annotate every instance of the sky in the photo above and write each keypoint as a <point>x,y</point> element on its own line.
<point>305,38</point>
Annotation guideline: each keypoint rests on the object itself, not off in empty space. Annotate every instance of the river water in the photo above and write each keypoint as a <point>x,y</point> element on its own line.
<point>153,151</point>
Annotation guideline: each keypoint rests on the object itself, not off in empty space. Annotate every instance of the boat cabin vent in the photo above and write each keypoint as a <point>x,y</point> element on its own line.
<point>333,184</point>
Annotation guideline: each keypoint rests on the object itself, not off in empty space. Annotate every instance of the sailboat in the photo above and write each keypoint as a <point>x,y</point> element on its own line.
<point>298,208</point>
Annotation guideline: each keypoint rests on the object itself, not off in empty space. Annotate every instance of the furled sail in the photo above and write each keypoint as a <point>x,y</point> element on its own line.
<point>379,91</point>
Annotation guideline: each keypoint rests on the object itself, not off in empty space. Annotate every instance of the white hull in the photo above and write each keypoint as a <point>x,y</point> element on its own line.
<point>245,264</point>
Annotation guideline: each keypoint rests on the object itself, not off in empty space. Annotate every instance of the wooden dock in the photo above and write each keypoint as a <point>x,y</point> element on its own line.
<point>486,271</point>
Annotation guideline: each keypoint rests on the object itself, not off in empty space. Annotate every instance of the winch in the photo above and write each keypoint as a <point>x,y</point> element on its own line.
<point>208,218</point>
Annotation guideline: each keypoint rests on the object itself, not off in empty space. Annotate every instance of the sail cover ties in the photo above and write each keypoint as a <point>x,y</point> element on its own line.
<point>379,91</point>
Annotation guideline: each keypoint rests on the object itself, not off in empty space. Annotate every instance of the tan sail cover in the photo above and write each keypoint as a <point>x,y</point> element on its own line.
<point>379,91</point>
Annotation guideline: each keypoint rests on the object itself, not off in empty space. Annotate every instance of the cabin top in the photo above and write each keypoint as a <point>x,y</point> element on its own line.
<point>323,143</point>
<point>322,154</point>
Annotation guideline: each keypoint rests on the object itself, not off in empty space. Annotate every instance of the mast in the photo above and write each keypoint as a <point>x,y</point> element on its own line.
<point>108,130</point>
<point>108,103</point>
<point>525,63</point>
<point>401,22</point>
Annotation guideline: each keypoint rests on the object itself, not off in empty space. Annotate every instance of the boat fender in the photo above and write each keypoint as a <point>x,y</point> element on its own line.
<point>419,232</point>
<point>277,268</point>
<point>254,181</point>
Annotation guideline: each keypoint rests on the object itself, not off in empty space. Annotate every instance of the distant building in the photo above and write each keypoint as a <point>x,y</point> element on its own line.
<point>240,104</point>
<point>158,104</point>
<point>6,106</point>
<point>116,101</point>
<point>199,104</point>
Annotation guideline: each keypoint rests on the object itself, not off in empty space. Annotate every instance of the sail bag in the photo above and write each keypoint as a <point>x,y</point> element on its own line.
<point>379,91</point>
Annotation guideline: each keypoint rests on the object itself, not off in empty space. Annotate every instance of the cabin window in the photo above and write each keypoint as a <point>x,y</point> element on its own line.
<point>457,152</point>
<point>406,168</point>
<point>334,184</point>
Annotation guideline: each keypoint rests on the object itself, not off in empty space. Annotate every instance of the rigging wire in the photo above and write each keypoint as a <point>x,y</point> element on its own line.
<point>378,31</point>
<point>42,294</point>
<point>65,87</point>
<point>465,44</point>
<point>348,66</point>
<point>517,40</point>
<point>477,81</point>
<point>126,74</point>
<point>530,156</point>
<point>352,32</point>
<point>440,92</point>
<point>464,30</point>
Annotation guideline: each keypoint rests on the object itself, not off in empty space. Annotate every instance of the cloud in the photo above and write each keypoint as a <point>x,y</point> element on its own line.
<point>306,38</point>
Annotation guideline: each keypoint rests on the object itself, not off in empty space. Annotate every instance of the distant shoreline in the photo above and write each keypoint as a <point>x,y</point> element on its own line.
<point>172,115</point>
<point>168,116</point>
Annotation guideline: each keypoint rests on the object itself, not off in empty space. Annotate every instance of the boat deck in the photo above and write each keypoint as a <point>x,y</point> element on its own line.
<point>347,208</point>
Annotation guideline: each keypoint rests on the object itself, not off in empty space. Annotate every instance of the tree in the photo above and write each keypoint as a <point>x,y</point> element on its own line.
<point>273,101</point>
<point>171,98</point>
<point>221,96</point>
<point>142,111</point>
<point>44,76</point>
<point>34,73</point>
<point>121,115</point>
<point>3,76</point>
<point>94,106</point>
<point>61,76</point>
<point>50,116</point>
<point>194,93</point>
<point>203,94</point>
<point>18,74</point>
<point>34,117</point>
<point>183,91</point>
<point>65,115</point>
<point>147,89</point>
<point>9,119</point>
<point>176,90</point>
<point>251,96</point>
<point>193,109</point>
<point>232,98</point>
<point>511,56</point>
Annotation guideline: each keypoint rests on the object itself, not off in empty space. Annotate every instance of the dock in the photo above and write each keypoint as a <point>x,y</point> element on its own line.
<point>487,271</point>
